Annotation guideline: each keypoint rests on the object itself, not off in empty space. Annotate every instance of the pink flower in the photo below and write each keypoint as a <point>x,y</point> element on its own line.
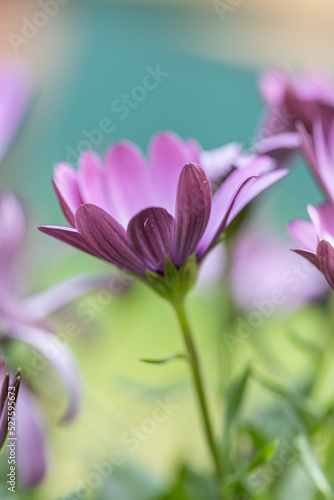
<point>292,100</point>
<point>317,239</point>
<point>134,213</point>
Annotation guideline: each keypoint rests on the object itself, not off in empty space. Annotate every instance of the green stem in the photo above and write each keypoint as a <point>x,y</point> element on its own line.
<point>194,362</point>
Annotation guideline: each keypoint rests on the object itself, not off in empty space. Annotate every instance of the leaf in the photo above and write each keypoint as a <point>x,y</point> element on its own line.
<point>162,361</point>
<point>260,459</point>
<point>235,396</point>
<point>312,467</point>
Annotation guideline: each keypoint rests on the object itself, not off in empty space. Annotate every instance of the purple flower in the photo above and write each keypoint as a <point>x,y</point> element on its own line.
<point>292,100</point>
<point>257,285</point>
<point>15,90</point>
<point>134,213</point>
<point>8,396</point>
<point>317,239</point>
<point>25,319</point>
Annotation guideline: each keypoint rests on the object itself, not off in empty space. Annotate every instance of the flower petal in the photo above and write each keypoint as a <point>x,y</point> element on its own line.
<point>43,304</point>
<point>15,89</point>
<point>106,237</point>
<point>304,234</point>
<point>151,233</point>
<point>31,449</point>
<point>322,219</point>
<point>325,254</point>
<point>193,207</point>
<point>127,181</point>
<point>59,357</point>
<point>230,199</point>
<point>91,180</point>
<point>310,256</point>
<point>66,186</point>
<point>167,156</point>
<point>69,236</point>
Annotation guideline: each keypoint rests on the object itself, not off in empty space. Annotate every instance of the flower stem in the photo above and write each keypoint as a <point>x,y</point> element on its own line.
<point>199,386</point>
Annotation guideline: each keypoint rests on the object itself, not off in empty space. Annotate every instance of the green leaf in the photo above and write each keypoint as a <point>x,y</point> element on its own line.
<point>260,459</point>
<point>235,396</point>
<point>162,361</point>
<point>312,467</point>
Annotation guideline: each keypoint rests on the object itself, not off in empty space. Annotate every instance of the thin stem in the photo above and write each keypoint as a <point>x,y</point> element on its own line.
<point>194,362</point>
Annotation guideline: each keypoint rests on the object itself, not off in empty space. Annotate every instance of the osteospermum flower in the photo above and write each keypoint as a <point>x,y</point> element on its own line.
<point>8,395</point>
<point>136,213</point>
<point>292,101</point>
<point>317,239</point>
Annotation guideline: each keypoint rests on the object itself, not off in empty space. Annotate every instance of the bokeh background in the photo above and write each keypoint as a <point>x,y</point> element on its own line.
<point>81,61</point>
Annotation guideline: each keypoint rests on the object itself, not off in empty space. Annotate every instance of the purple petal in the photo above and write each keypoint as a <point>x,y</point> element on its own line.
<point>218,162</point>
<point>279,146</point>
<point>325,253</point>
<point>151,233</point>
<point>42,305</point>
<point>127,181</point>
<point>230,199</point>
<point>107,238</point>
<point>91,180</point>
<point>60,358</point>
<point>304,234</point>
<point>69,236</point>
<point>322,219</point>
<point>31,449</point>
<point>15,89</point>
<point>310,256</point>
<point>65,182</point>
<point>193,207</point>
<point>12,230</point>
<point>272,85</point>
<point>167,156</point>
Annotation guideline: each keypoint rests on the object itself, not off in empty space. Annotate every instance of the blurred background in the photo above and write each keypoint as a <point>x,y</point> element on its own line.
<point>206,57</point>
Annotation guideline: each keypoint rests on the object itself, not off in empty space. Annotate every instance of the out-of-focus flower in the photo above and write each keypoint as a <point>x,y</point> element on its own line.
<point>266,277</point>
<point>292,100</point>
<point>8,396</point>
<point>317,239</point>
<point>24,319</point>
<point>134,214</point>
<point>15,90</point>
<point>318,150</point>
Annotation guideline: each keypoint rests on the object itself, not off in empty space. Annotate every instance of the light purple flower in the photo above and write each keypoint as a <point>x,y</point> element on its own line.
<point>258,285</point>
<point>134,212</point>
<point>292,100</point>
<point>317,239</point>
<point>25,319</point>
<point>15,90</point>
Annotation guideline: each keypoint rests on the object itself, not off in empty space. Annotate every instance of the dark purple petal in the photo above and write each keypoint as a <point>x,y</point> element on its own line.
<point>151,233</point>
<point>106,237</point>
<point>325,253</point>
<point>193,207</point>
<point>69,236</point>
<point>310,256</point>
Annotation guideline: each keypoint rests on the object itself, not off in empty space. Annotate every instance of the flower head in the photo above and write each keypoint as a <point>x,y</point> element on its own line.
<point>317,239</point>
<point>138,214</point>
